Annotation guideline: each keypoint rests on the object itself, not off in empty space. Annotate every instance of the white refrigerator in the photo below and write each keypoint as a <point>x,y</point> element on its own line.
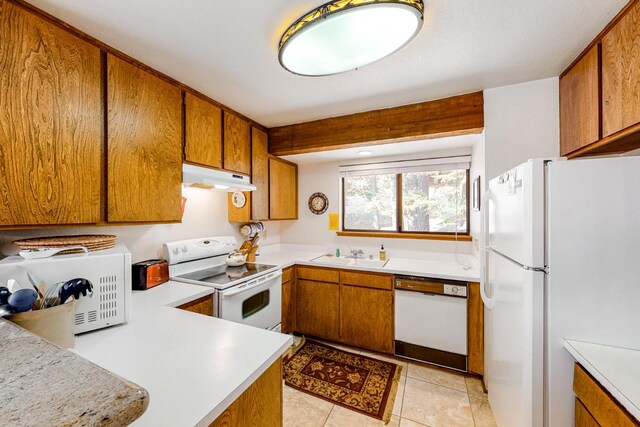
<point>561,259</point>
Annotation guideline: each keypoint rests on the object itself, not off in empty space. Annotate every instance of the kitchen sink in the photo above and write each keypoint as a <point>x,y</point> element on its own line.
<point>349,261</point>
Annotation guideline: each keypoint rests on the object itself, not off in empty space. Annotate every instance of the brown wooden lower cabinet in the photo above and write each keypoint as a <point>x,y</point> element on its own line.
<point>595,406</point>
<point>366,318</point>
<point>260,405</point>
<point>202,305</point>
<point>288,322</point>
<point>475,330</point>
<point>317,306</point>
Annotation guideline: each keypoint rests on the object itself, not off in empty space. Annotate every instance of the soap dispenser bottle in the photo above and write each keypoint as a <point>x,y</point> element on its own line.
<point>383,253</point>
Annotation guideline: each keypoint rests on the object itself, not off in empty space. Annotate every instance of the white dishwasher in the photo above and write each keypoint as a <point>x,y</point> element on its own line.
<point>431,321</point>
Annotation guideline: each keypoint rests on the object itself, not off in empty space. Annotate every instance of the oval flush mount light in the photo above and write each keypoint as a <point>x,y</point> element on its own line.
<point>344,35</point>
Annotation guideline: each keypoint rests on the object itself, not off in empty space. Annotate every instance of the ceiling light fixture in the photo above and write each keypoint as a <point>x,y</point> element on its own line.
<point>365,153</point>
<point>343,35</point>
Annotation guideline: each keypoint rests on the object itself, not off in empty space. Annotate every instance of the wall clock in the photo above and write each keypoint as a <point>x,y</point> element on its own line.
<point>238,199</point>
<point>318,203</point>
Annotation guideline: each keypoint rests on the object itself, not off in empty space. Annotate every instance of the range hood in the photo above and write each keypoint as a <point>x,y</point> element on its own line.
<point>197,176</point>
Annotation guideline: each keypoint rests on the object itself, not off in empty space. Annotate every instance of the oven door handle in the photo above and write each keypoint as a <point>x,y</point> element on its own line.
<point>251,284</point>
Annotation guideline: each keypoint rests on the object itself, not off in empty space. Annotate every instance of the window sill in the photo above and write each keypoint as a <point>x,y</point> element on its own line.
<point>460,237</point>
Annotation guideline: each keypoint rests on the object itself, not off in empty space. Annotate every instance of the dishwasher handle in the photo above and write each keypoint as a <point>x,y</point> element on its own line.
<point>431,286</point>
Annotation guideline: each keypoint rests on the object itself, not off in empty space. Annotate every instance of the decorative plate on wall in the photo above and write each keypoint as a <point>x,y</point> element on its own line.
<point>318,203</point>
<point>239,199</point>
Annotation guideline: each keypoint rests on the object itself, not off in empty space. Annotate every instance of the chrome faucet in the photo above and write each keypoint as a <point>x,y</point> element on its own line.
<point>357,253</point>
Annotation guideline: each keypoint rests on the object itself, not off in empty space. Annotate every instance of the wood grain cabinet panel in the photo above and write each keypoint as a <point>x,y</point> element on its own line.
<point>202,305</point>
<point>580,104</point>
<point>51,122</point>
<point>366,318</point>
<point>317,309</point>
<point>237,144</point>
<point>283,189</point>
<point>259,175</point>
<point>203,132</point>
<point>288,301</point>
<point>144,148</point>
<point>621,73</point>
<point>475,330</point>
<point>367,280</point>
<point>260,405</point>
<point>318,274</point>
<point>582,417</point>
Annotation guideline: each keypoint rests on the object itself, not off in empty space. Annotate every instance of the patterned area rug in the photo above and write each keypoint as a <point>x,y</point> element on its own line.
<point>353,381</point>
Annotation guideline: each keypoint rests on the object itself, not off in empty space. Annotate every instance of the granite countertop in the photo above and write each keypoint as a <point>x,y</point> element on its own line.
<point>43,384</point>
<point>616,369</point>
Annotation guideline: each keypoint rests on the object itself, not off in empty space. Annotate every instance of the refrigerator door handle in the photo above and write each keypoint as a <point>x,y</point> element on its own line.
<point>484,277</point>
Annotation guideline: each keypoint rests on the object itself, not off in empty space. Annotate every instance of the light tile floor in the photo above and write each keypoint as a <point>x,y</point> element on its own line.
<point>427,396</point>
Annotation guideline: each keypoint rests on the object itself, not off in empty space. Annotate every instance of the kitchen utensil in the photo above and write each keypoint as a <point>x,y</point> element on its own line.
<point>5,293</point>
<point>38,253</point>
<point>22,299</point>
<point>13,285</point>
<point>5,310</point>
<point>33,283</point>
<point>236,259</point>
<point>75,288</point>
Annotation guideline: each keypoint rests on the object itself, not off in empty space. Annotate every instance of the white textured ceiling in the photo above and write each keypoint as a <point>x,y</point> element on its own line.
<point>227,49</point>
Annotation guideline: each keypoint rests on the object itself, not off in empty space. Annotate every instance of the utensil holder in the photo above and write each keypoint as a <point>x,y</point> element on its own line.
<point>55,324</point>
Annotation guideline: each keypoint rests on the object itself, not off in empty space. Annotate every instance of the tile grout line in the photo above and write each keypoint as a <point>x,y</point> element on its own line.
<point>440,385</point>
<point>326,420</point>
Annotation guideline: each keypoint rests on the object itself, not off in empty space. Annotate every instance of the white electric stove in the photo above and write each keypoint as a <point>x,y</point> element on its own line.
<point>249,294</point>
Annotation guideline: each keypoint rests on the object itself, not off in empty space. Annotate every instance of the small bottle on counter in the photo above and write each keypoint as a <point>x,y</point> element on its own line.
<point>383,253</point>
<point>338,252</point>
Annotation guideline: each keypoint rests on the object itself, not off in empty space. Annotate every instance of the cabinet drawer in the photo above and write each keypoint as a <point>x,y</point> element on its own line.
<point>287,274</point>
<point>367,280</point>
<point>319,274</point>
<point>583,418</point>
<point>605,410</point>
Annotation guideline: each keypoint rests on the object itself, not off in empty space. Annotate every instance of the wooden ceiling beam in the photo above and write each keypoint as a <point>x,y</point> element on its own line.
<point>458,115</point>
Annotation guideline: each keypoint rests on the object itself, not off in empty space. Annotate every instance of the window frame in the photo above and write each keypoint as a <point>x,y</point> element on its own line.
<point>399,216</point>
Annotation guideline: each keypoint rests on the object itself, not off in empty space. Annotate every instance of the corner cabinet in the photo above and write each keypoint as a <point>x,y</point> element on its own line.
<point>144,145</point>
<point>51,123</point>
<point>283,189</point>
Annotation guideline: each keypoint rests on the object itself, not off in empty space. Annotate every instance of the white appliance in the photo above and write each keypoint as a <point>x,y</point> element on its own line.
<point>431,321</point>
<point>108,270</point>
<point>249,294</point>
<point>561,259</point>
<point>215,179</point>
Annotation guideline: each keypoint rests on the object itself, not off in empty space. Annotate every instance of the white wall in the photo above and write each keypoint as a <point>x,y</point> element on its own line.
<point>314,229</point>
<point>205,215</point>
<point>521,122</point>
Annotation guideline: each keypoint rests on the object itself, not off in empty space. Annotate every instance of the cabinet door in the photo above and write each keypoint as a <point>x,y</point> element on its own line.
<point>283,189</point>
<point>203,132</point>
<point>366,318</point>
<point>288,307</point>
<point>51,122</point>
<point>202,305</point>
<point>580,104</point>
<point>621,74</point>
<point>144,150</point>
<point>259,175</point>
<point>237,144</point>
<point>317,309</point>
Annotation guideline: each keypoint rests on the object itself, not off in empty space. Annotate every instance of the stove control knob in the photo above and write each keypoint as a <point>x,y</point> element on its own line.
<point>176,251</point>
<point>184,249</point>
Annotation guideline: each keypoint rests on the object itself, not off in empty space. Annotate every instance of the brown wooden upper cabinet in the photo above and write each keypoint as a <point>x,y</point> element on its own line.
<point>283,189</point>
<point>50,123</point>
<point>621,74</point>
<point>237,144</point>
<point>259,175</point>
<point>203,132</point>
<point>580,104</point>
<point>144,145</point>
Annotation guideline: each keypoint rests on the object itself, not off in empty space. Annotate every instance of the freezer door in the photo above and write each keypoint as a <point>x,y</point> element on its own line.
<point>594,262</point>
<point>514,343</point>
<point>516,213</point>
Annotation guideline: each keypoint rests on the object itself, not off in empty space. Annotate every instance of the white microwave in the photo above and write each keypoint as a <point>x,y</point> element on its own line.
<point>108,270</point>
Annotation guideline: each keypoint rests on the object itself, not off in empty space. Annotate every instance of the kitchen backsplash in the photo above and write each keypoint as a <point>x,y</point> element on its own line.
<point>205,215</point>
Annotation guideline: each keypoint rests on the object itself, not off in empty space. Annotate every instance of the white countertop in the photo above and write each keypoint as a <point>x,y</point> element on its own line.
<point>286,255</point>
<point>193,366</point>
<point>616,369</point>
